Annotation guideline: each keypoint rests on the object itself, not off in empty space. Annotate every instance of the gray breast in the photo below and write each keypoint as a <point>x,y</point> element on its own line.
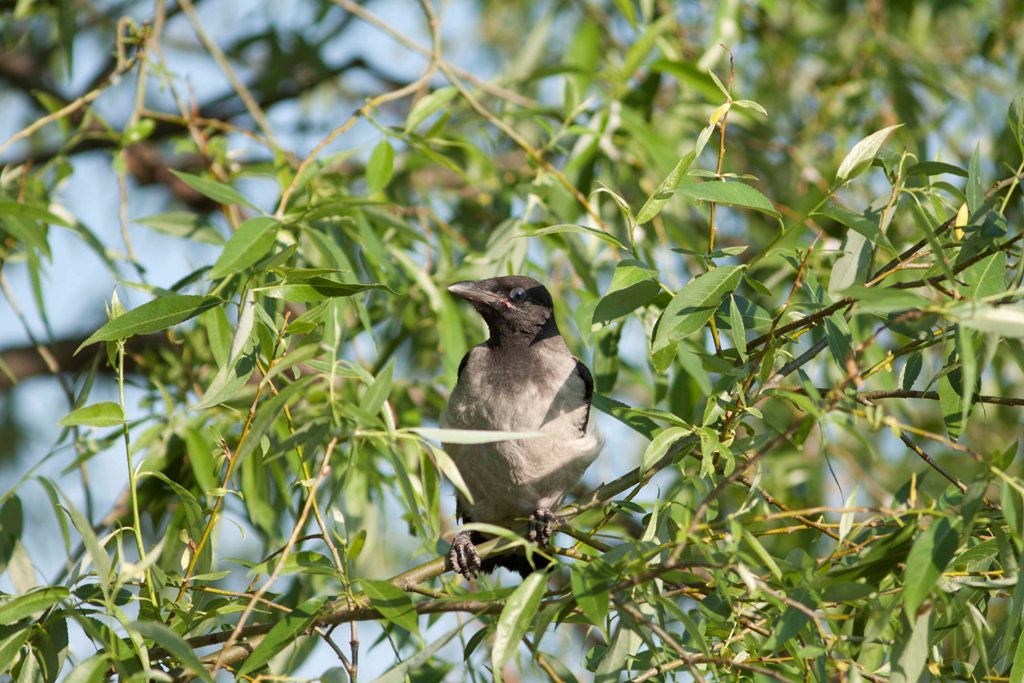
<point>511,479</point>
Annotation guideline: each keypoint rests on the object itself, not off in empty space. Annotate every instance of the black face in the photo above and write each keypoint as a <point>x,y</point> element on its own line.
<point>514,307</point>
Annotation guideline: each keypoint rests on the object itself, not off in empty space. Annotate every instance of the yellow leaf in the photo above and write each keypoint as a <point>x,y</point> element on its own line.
<point>719,113</point>
<point>960,222</point>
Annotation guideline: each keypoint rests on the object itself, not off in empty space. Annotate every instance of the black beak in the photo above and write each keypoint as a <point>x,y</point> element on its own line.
<point>472,291</point>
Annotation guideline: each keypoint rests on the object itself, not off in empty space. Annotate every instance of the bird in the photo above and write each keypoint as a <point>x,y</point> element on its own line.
<point>522,379</point>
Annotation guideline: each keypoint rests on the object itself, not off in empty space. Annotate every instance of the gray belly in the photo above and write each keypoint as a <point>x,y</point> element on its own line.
<point>511,479</point>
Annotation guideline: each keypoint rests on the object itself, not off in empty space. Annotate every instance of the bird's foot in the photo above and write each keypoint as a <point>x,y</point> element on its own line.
<point>463,556</point>
<point>541,526</point>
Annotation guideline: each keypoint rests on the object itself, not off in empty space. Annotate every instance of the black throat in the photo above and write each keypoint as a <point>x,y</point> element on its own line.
<point>505,334</point>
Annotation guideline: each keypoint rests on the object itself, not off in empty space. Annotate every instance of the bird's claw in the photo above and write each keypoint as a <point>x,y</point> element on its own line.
<point>463,556</point>
<point>541,526</point>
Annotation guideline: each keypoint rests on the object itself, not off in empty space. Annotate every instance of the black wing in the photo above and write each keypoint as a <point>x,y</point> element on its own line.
<point>588,390</point>
<point>462,365</point>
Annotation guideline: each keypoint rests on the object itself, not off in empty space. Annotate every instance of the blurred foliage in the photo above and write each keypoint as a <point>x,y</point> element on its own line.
<point>785,236</point>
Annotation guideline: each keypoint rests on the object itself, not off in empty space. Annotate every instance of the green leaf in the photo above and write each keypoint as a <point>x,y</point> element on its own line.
<point>652,207</point>
<point>153,316</point>
<point>377,393</point>
<point>859,158</point>
<point>98,555</point>
<point>174,644</point>
<point>912,655</point>
<point>247,245</point>
<point>974,191</point>
<point>183,224</point>
<point>730,193</point>
<point>316,289</point>
<point>515,619</point>
<point>950,389</point>
<point>987,277</point>
<point>884,300</point>
<point>661,443</point>
<point>428,105</point>
<point>34,212</point>
<point>928,558</point>
<point>633,285</point>
<point>569,227</point>
<point>739,333</point>
<point>590,588</point>
<point>105,414</point>
<point>400,672</point>
<point>471,436</point>
<point>935,168</point>
<point>1006,321</point>
<point>393,603</point>
<point>1015,118</point>
<point>692,307</point>
<point>218,192</point>
<point>380,166</point>
<point>287,628</point>
<point>29,603</point>
<point>92,670</point>
<point>860,223</point>
<point>911,371</point>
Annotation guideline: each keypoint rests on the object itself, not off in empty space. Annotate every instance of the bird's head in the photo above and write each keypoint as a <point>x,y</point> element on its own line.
<point>515,308</point>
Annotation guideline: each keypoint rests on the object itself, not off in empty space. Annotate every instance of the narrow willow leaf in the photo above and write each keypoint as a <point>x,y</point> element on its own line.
<point>968,370</point>
<point>471,436</point>
<point>693,306</point>
<point>739,332</point>
<point>652,207</point>
<point>913,655</point>
<point>580,229</point>
<point>974,191</point>
<point>1015,118</point>
<point>590,589</point>
<point>928,557</point>
<point>730,193</point>
<point>951,402</point>
<point>286,629</point>
<point>174,644</point>
<point>633,285</point>
<point>962,215</point>
<point>936,168</point>
<point>863,153</point>
<point>428,105</point>
<point>29,603</point>
<point>317,289</point>
<point>91,670</point>
<point>218,192</point>
<point>35,212</point>
<point>247,245</point>
<point>911,371</point>
<point>1005,321</point>
<point>153,316</point>
<point>860,223</point>
<point>400,672</point>
<point>987,277</point>
<point>393,603</point>
<point>380,166</point>
<point>96,552</point>
<point>515,619</point>
<point>105,414</point>
<point>661,443</point>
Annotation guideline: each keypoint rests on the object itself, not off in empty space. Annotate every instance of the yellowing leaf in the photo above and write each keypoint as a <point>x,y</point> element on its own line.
<point>718,113</point>
<point>961,221</point>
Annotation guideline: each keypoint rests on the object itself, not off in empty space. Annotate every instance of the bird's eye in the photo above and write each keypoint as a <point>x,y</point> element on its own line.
<point>517,295</point>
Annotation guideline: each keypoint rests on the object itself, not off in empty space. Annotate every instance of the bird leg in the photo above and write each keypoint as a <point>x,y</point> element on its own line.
<point>541,526</point>
<point>463,556</point>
